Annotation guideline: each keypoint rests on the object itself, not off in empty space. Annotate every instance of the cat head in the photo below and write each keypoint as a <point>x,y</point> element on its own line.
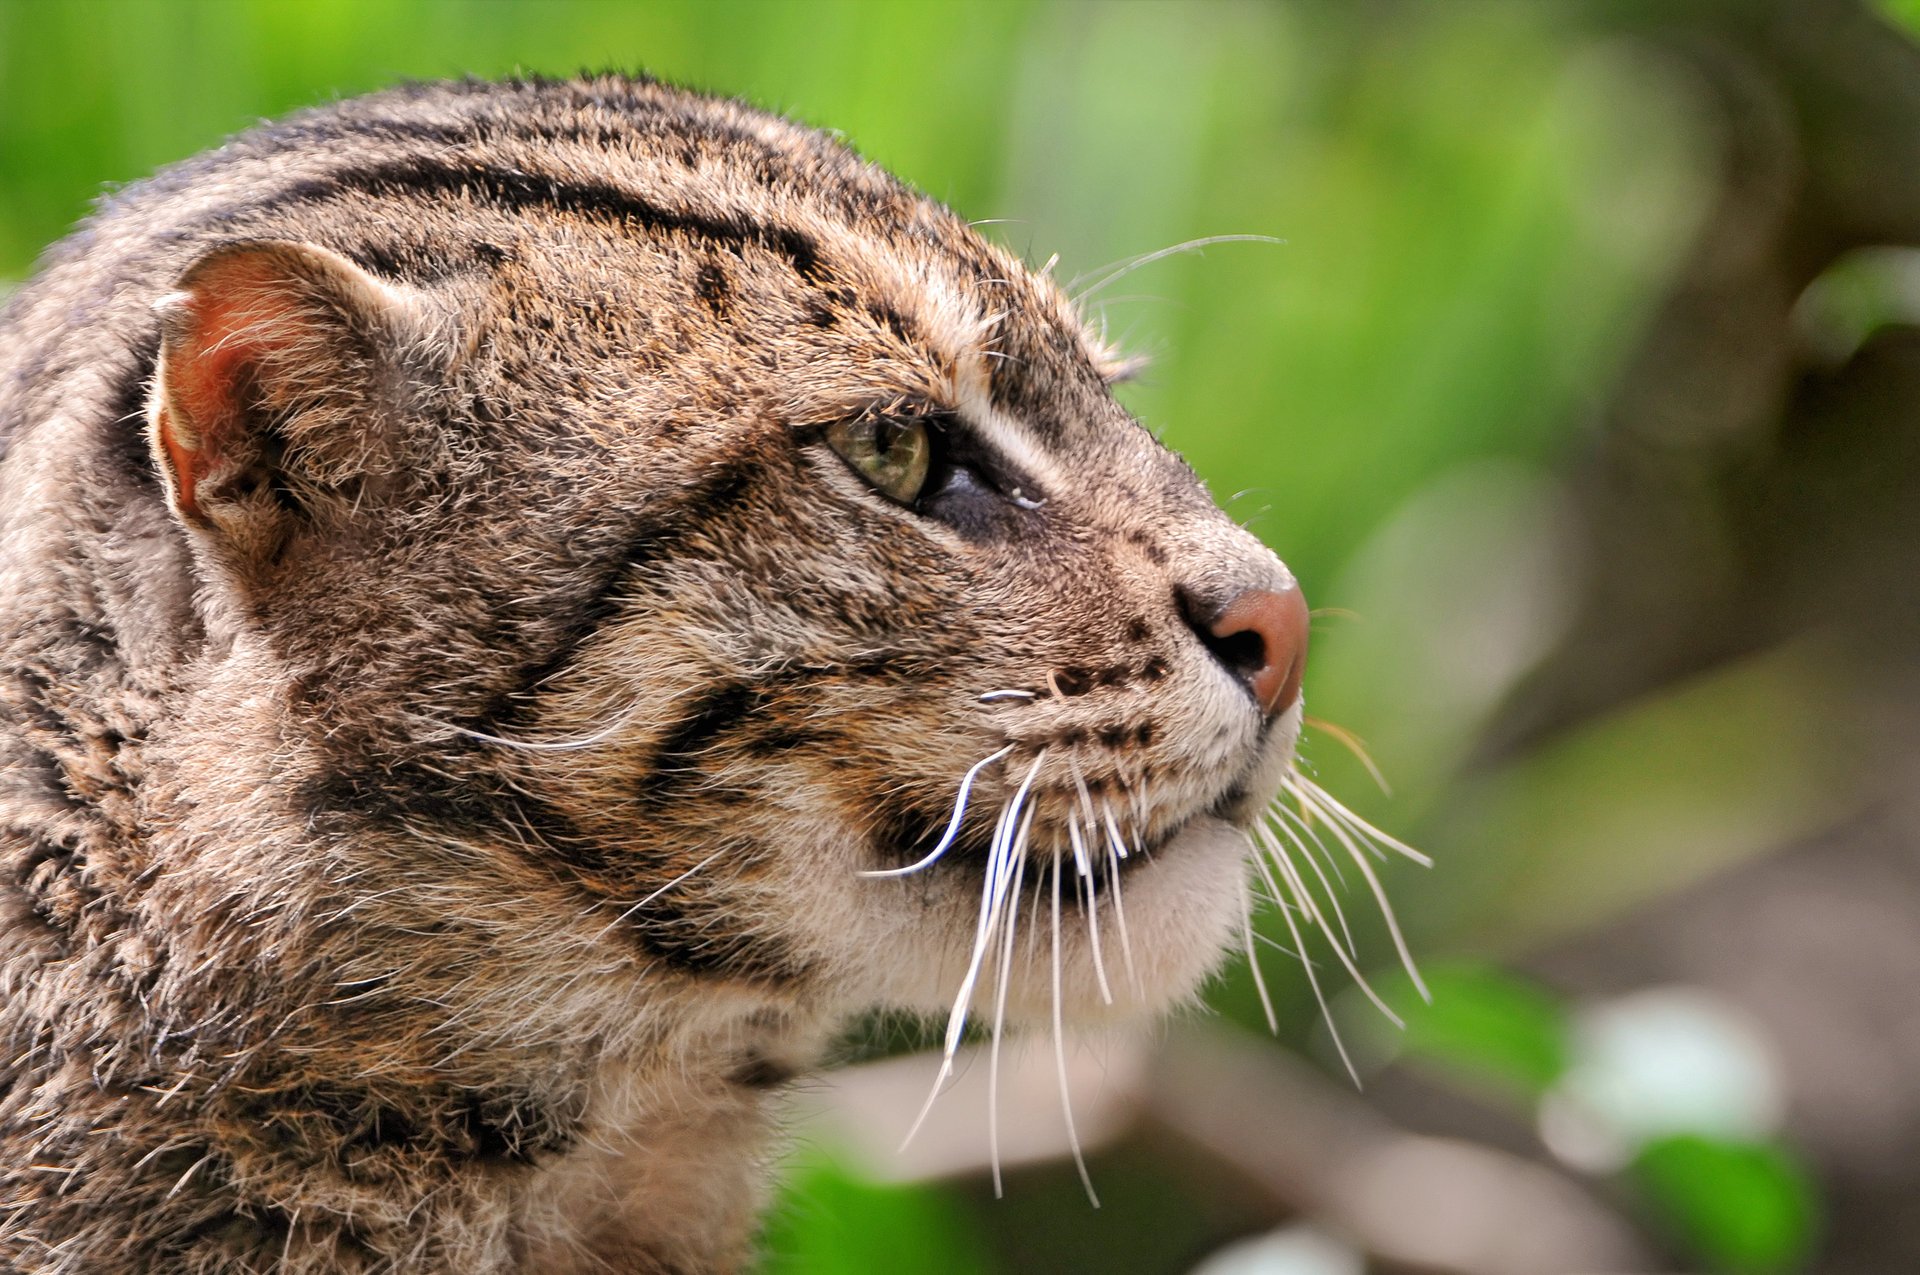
<point>648,488</point>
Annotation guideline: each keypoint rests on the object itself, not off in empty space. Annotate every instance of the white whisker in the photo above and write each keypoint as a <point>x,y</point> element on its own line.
<point>1253,958</point>
<point>1000,1018</point>
<point>1082,866</point>
<point>1006,843</point>
<point>1277,946</point>
<point>1113,829</point>
<point>1326,886</point>
<point>1114,851</point>
<point>1192,245</point>
<point>1314,804</point>
<point>1313,981</point>
<point>1060,1048</point>
<point>1307,830</point>
<point>1310,794</point>
<point>599,736</point>
<point>657,893</point>
<point>1090,903</point>
<point>1297,886</point>
<point>953,824</point>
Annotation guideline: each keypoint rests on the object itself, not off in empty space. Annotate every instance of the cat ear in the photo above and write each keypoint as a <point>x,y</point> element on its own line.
<point>268,394</point>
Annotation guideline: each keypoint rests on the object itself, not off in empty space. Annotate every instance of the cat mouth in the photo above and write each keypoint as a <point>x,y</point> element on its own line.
<point>1103,830</point>
<point>1100,846</point>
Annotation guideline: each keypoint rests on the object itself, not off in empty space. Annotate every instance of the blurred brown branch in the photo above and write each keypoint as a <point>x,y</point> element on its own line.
<point>1309,1144</point>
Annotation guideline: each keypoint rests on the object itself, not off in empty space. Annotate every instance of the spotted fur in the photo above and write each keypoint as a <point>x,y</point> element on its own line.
<point>429,836</point>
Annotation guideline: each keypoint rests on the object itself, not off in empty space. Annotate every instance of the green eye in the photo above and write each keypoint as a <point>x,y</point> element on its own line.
<point>892,455</point>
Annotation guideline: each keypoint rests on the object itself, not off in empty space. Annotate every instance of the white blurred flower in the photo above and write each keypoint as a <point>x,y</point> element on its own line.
<point>1291,1250</point>
<point>1661,1062</point>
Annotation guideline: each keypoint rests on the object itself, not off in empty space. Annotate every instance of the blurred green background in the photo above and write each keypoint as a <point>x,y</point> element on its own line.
<point>1579,396</point>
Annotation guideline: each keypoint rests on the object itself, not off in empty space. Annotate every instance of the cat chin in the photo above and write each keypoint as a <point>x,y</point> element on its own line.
<point>1183,909</point>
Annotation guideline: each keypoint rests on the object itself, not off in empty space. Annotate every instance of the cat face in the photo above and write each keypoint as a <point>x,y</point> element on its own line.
<point>761,540</point>
<point>944,557</point>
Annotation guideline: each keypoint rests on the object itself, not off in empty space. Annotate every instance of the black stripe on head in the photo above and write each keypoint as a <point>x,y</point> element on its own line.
<point>517,191</point>
<point>705,939</point>
<point>719,490</point>
<point>698,939</point>
<point>676,759</point>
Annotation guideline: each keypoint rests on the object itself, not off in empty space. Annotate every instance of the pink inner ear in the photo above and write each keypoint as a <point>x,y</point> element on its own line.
<point>238,316</point>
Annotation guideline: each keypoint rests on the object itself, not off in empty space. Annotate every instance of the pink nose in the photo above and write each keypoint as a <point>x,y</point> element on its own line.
<point>1261,636</point>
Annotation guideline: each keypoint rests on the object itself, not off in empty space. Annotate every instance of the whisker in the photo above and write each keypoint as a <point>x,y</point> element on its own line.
<point>1353,744</point>
<point>657,893</point>
<point>1090,904</point>
<point>1290,875</point>
<point>599,736</point>
<point>953,824</point>
<point>1331,808</point>
<point>1000,1019</point>
<point>1313,803</point>
<point>1312,834</point>
<point>1326,886</point>
<point>1313,981</point>
<point>1146,259</point>
<point>1000,854</point>
<point>1113,829</point>
<point>1253,958</point>
<point>1114,851</point>
<point>1279,947</point>
<point>1060,1048</point>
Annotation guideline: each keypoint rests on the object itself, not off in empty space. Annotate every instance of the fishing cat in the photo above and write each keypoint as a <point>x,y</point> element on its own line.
<point>525,605</point>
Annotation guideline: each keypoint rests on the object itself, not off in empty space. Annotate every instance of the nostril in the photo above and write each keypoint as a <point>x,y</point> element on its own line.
<point>1243,653</point>
<point>1261,638</point>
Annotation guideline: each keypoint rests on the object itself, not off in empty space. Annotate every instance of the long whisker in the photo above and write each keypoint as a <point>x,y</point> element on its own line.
<point>1253,958</point>
<point>1000,1018</point>
<point>1060,1048</point>
<point>1313,981</point>
<point>657,893</point>
<point>1314,800</point>
<point>1090,903</point>
<point>1114,851</point>
<point>1326,886</point>
<point>1113,829</point>
<point>1312,834</point>
<point>1298,887</point>
<point>1278,946</point>
<point>1353,744</point>
<point>1192,245</point>
<point>1331,809</point>
<point>953,824</point>
<point>1008,841</point>
<point>600,736</point>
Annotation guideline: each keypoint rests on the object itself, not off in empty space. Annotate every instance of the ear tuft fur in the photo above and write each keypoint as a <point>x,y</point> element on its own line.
<point>1116,367</point>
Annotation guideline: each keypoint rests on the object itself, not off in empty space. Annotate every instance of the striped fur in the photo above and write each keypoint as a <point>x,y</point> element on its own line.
<point>429,854</point>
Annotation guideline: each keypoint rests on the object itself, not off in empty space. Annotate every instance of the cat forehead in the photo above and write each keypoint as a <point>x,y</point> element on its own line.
<point>729,200</point>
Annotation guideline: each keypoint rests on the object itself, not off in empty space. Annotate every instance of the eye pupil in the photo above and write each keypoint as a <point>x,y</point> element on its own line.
<point>894,456</point>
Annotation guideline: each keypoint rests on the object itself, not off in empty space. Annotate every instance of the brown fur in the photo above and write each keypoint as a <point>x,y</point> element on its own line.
<point>346,460</point>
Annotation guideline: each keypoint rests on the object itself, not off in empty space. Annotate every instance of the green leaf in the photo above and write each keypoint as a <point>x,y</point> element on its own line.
<point>829,1221</point>
<point>1904,13</point>
<point>1744,1208</point>
<point>1490,1026</point>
